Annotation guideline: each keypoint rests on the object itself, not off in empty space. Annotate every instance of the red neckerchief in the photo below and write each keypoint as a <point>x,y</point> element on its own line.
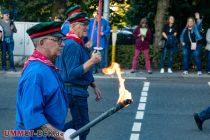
<point>73,36</point>
<point>39,57</point>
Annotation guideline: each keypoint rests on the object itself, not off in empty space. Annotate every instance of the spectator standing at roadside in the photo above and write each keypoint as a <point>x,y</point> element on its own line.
<point>8,42</point>
<point>190,41</point>
<point>208,50</point>
<point>198,21</point>
<point>142,35</point>
<point>199,24</point>
<point>1,36</point>
<point>169,34</point>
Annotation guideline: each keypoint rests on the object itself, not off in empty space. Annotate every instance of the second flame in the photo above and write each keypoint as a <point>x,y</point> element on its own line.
<point>124,94</point>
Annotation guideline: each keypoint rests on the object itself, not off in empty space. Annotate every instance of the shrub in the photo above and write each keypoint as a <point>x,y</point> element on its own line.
<point>124,56</point>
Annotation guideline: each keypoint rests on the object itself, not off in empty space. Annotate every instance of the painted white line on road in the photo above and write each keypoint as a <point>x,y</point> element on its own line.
<point>144,94</point>
<point>134,136</point>
<point>136,127</point>
<point>142,106</point>
<point>140,115</point>
<point>146,84</point>
<point>209,83</point>
<point>143,99</point>
<point>145,89</point>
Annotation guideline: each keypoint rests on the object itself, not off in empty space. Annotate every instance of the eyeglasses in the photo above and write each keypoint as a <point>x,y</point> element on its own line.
<point>58,41</point>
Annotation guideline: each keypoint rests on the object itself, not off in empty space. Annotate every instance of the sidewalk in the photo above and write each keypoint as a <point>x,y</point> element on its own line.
<point>142,75</point>
<point>156,74</point>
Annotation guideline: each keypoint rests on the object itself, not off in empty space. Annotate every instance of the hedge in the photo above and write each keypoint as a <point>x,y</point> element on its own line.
<point>124,56</point>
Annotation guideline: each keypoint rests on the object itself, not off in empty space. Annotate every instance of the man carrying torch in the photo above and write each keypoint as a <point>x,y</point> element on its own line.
<point>76,64</point>
<point>41,98</point>
<point>125,98</point>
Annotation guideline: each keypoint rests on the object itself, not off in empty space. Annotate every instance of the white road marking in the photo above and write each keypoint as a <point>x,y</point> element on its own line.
<point>142,106</point>
<point>143,99</point>
<point>144,93</point>
<point>145,89</point>
<point>140,115</point>
<point>136,127</point>
<point>209,83</point>
<point>134,136</point>
<point>146,84</point>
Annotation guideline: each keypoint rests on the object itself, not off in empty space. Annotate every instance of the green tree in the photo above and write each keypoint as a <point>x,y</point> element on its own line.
<point>140,9</point>
<point>44,10</point>
<point>161,12</point>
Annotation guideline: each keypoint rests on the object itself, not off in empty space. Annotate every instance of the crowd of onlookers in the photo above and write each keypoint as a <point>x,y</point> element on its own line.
<point>190,41</point>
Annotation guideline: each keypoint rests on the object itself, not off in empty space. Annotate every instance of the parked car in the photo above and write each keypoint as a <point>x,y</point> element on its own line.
<point>124,36</point>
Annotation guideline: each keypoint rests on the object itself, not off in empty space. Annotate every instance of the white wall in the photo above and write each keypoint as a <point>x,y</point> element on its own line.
<point>23,44</point>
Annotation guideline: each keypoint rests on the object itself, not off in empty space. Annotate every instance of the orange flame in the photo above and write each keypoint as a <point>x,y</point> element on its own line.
<point>124,94</point>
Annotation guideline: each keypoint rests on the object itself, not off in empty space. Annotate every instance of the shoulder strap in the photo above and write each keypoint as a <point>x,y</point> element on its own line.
<point>189,36</point>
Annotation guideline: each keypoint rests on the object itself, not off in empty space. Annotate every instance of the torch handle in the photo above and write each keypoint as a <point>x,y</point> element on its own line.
<point>97,120</point>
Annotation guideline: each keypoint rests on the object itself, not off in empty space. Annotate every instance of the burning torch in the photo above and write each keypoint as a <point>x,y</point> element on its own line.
<point>124,100</point>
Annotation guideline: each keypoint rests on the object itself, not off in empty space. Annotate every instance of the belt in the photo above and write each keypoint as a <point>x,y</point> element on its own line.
<point>76,86</point>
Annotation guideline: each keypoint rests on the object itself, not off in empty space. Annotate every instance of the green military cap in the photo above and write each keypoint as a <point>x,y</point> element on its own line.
<point>45,28</point>
<point>72,10</point>
<point>78,17</point>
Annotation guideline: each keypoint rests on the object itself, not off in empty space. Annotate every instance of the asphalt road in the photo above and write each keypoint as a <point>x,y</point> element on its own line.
<point>162,112</point>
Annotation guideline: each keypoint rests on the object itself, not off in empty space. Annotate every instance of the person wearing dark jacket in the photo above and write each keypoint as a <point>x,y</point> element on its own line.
<point>190,40</point>
<point>142,35</point>
<point>169,35</point>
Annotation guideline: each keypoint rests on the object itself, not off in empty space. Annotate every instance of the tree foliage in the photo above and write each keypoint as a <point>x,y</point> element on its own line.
<point>33,10</point>
<point>140,9</point>
<point>128,11</point>
<point>45,10</point>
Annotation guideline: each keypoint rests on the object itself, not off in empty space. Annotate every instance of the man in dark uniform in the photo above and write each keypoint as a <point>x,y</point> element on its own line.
<point>76,70</point>
<point>41,100</point>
